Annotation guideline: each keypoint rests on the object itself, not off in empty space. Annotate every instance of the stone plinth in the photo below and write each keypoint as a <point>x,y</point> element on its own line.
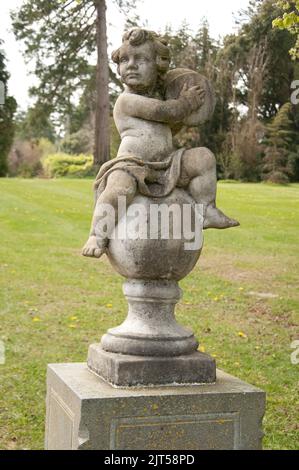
<point>84,412</point>
<point>126,371</point>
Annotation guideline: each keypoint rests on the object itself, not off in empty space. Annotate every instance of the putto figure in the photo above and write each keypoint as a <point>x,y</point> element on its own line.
<point>147,161</point>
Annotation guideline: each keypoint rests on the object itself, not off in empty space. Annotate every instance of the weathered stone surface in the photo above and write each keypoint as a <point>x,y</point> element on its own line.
<point>84,412</point>
<point>153,254</point>
<point>150,347</point>
<point>156,103</point>
<point>150,328</point>
<point>127,371</point>
<point>151,176</point>
<point>176,79</point>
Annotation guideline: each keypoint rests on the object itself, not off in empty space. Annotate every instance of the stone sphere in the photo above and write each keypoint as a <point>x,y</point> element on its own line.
<point>141,247</point>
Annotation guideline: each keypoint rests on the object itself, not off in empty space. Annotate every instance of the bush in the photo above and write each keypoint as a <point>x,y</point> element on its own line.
<point>25,159</point>
<point>276,177</point>
<point>73,166</point>
<point>229,181</point>
<point>78,143</point>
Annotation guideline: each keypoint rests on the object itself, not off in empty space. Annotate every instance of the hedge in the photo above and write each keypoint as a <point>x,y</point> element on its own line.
<point>74,166</point>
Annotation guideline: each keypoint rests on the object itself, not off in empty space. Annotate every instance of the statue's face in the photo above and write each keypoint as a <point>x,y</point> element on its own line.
<point>138,67</point>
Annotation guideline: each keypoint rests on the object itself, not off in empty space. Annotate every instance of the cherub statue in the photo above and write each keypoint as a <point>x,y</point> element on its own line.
<point>147,160</point>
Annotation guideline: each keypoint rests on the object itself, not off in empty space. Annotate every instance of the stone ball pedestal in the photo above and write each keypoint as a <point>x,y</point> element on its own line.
<point>151,249</point>
<point>146,386</point>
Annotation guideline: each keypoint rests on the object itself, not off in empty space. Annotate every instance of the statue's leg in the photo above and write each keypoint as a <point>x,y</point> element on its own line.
<point>119,184</point>
<point>199,164</point>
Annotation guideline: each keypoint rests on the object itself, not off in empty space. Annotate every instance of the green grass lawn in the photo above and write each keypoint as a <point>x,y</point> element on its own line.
<point>54,302</point>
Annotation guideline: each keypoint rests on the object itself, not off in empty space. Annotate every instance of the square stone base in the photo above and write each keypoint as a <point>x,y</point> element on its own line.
<point>119,369</point>
<point>85,412</point>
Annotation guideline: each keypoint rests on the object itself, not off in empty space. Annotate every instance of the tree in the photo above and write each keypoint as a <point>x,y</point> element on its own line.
<point>253,78</point>
<point>255,30</point>
<point>252,74</point>
<point>280,147</point>
<point>248,131</point>
<point>60,36</point>
<point>206,47</point>
<point>35,124</point>
<point>8,108</point>
<point>289,21</point>
<point>197,52</point>
<point>178,42</point>
<point>102,127</point>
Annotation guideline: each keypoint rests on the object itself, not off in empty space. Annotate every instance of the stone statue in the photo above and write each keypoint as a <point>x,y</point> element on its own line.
<point>152,204</point>
<point>150,347</point>
<point>145,119</point>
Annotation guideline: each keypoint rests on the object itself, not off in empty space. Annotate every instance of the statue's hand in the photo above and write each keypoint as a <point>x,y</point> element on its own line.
<point>194,96</point>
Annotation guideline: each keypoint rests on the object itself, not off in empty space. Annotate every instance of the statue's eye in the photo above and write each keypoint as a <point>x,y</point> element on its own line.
<point>123,60</point>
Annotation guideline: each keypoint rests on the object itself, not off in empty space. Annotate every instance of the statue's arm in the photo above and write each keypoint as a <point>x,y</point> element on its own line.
<point>150,109</point>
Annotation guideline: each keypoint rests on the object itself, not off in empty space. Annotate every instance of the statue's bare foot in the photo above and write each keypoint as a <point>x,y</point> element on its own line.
<point>92,248</point>
<point>214,218</point>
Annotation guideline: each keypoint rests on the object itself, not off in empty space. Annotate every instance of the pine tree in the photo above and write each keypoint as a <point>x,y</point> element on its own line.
<point>206,47</point>
<point>279,146</point>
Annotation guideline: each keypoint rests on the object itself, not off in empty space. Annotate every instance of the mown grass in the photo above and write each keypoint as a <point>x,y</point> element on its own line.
<point>54,302</point>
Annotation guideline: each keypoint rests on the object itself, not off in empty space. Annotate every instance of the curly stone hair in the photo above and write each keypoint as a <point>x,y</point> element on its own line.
<point>137,37</point>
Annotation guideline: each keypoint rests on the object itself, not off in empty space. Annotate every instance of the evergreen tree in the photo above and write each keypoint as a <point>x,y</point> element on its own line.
<point>34,124</point>
<point>8,108</point>
<point>206,47</point>
<point>280,147</point>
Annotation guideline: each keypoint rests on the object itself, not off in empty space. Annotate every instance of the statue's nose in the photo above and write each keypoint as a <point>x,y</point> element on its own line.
<point>132,64</point>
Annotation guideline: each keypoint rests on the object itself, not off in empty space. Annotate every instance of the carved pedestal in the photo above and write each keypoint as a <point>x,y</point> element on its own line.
<point>150,347</point>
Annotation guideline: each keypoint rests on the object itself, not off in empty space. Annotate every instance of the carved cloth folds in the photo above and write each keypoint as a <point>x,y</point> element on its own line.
<point>154,179</point>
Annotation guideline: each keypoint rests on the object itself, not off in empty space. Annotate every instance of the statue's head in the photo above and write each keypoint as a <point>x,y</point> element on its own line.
<point>143,59</point>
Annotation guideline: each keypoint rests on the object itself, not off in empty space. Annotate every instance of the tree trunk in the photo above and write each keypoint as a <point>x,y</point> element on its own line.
<point>102,120</point>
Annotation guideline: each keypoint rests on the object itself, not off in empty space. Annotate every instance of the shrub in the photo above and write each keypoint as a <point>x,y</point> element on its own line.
<point>277,177</point>
<point>78,143</point>
<point>74,166</point>
<point>25,159</point>
<point>230,181</point>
